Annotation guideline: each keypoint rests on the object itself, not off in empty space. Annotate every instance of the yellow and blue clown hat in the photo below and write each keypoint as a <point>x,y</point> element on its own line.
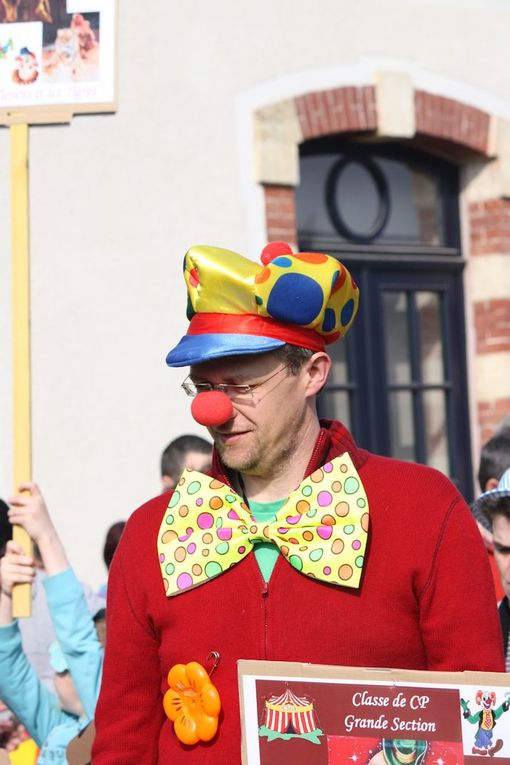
<point>236,306</point>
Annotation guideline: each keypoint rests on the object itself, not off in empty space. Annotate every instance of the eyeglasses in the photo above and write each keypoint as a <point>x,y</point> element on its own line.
<point>192,389</point>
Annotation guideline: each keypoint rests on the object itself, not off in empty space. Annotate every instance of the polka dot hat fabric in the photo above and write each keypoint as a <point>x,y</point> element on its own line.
<point>309,289</point>
<point>321,529</point>
<point>310,293</point>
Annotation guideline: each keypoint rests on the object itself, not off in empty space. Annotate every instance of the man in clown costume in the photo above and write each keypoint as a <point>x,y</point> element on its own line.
<point>299,546</point>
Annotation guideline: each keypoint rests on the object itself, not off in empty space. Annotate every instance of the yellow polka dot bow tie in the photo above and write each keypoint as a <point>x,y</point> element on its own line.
<point>321,529</point>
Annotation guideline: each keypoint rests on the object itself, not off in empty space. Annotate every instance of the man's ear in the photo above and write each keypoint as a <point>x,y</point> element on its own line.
<point>167,483</point>
<point>317,369</point>
<point>492,483</point>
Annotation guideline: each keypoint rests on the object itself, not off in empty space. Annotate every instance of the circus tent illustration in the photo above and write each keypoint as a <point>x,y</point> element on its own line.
<point>289,714</point>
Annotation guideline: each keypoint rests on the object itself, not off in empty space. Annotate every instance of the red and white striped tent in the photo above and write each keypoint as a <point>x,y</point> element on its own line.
<point>289,713</point>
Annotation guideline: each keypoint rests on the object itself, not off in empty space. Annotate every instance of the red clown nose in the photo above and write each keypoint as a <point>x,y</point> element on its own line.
<point>212,408</point>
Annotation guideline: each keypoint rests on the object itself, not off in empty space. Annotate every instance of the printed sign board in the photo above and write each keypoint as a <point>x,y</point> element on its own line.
<point>320,715</point>
<point>57,58</point>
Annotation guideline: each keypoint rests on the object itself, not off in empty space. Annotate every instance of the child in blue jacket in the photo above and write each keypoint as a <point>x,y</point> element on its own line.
<point>51,719</point>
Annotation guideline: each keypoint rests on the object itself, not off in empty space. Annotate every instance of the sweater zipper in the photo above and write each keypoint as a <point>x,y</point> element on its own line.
<point>265,595</point>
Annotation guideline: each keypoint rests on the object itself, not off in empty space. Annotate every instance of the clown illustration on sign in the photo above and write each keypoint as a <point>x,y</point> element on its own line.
<point>396,751</point>
<point>26,67</point>
<point>486,721</point>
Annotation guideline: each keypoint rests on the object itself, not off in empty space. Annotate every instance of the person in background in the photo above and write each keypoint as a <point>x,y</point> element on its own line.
<point>503,426</point>
<point>298,546</point>
<point>99,620</point>
<point>494,505</point>
<point>186,451</point>
<point>5,527</point>
<point>15,740</point>
<point>494,460</point>
<point>52,719</point>
<point>37,633</point>
<point>111,541</point>
<point>13,736</point>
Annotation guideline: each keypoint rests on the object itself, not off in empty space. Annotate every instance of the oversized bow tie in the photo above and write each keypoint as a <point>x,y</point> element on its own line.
<point>321,529</point>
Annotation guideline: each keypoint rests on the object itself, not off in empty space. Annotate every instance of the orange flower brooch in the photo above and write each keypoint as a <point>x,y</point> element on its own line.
<point>192,703</point>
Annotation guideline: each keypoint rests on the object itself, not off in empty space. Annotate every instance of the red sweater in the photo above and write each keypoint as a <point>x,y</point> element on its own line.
<point>426,601</point>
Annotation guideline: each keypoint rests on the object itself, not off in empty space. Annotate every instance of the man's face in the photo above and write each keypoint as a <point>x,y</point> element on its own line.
<point>264,430</point>
<point>192,460</point>
<point>197,461</point>
<point>501,534</point>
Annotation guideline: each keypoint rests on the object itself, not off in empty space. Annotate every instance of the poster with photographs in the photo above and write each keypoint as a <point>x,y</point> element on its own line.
<point>312,715</point>
<point>56,55</point>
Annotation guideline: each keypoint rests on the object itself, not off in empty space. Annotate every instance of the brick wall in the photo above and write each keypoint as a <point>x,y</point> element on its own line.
<point>450,120</point>
<point>489,226</point>
<point>489,223</point>
<point>489,415</point>
<point>341,110</point>
<point>492,326</point>
<point>281,214</point>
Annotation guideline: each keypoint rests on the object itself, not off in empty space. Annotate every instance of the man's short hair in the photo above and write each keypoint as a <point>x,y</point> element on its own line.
<point>494,458</point>
<point>173,457</point>
<point>495,506</point>
<point>293,356</point>
<point>5,527</point>
<point>503,426</point>
<point>111,541</point>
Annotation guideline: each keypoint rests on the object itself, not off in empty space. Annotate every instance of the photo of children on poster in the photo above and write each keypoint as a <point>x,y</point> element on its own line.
<point>337,723</point>
<point>55,52</point>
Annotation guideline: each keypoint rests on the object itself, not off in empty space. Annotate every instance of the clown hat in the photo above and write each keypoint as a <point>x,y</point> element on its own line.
<point>237,306</point>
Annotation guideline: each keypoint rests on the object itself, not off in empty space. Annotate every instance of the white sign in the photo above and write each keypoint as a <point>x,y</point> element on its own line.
<point>57,53</point>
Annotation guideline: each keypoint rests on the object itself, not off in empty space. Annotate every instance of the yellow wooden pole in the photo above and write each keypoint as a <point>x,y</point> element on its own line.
<point>22,440</point>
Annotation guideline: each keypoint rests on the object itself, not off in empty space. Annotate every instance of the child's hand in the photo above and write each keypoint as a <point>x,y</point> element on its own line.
<point>30,512</point>
<point>15,568</point>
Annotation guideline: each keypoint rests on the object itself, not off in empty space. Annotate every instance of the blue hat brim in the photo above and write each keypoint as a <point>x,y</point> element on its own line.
<point>195,349</point>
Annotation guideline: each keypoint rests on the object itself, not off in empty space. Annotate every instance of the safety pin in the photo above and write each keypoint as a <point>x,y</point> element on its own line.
<point>216,656</point>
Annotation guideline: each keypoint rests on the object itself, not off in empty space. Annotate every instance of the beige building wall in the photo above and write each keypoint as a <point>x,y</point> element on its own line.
<point>117,199</point>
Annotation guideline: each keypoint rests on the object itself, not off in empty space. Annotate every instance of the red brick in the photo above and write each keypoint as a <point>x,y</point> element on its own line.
<point>338,110</point>
<point>281,213</point>
<point>451,120</point>
<point>303,117</point>
<point>321,104</point>
<point>370,107</point>
<point>335,111</point>
<point>350,107</point>
<point>490,413</point>
<point>492,325</point>
<point>489,224</point>
<point>313,116</point>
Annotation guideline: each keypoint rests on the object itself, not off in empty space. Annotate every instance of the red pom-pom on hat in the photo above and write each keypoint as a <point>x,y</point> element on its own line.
<point>211,408</point>
<point>273,249</point>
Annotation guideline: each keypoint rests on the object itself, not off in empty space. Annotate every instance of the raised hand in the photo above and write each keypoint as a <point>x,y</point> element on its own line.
<point>29,510</point>
<point>15,568</point>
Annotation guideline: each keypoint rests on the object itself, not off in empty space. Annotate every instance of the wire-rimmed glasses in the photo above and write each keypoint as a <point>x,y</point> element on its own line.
<point>233,391</point>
